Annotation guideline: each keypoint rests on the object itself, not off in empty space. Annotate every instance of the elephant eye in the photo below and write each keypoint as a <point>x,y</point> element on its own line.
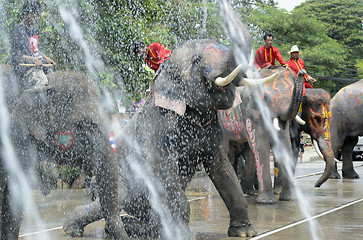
<point>318,120</point>
<point>196,60</point>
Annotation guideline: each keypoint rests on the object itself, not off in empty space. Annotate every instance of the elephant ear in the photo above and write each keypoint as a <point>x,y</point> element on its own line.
<point>32,111</point>
<point>169,89</point>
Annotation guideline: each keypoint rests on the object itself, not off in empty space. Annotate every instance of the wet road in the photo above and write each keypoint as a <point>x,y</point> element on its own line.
<point>336,210</point>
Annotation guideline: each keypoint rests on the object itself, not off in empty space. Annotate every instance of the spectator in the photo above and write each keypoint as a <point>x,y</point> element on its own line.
<point>265,56</point>
<point>301,147</point>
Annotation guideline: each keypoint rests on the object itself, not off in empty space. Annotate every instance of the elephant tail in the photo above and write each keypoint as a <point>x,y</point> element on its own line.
<point>296,97</point>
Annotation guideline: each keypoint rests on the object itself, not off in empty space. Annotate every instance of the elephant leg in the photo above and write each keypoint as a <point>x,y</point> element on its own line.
<point>11,217</point>
<point>226,182</point>
<point>259,144</point>
<point>80,217</point>
<point>285,168</point>
<point>108,179</point>
<point>347,151</point>
<point>248,172</point>
<point>335,174</point>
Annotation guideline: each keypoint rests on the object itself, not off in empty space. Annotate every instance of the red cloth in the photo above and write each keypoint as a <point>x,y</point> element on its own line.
<point>156,55</point>
<point>296,66</point>
<point>264,57</point>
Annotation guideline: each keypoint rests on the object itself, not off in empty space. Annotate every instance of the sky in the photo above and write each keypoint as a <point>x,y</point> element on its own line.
<point>289,4</point>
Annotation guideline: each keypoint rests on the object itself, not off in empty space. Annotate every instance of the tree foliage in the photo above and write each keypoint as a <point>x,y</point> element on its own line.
<point>343,23</point>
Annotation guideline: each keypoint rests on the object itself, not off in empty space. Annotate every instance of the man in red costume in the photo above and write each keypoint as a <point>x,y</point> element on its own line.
<point>154,54</point>
<point>265,56</point>
<point>296,64</point>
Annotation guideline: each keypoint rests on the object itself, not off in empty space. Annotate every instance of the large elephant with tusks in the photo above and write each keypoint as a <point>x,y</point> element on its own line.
<point>65,121</point>
<point>176,130</point>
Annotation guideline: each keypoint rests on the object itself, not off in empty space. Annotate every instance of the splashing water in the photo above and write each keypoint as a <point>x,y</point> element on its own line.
<point>283,155</point>
<point>18,181</point>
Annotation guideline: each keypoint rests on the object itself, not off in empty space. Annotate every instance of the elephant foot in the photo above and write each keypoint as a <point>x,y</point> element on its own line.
<point>350,174</point>
<point>241,229</point>
<point>335,175</point>
<point>277,189</point>
<point>73,229</point>
<point>136,228</point>
<point>249,191</point>
<point>266,198</point>
<point>286,196</point>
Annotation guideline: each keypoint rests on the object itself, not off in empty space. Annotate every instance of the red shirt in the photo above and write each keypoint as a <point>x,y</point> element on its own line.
<point>264,57</point>
<point>156,55</point>
<point>296,66</point>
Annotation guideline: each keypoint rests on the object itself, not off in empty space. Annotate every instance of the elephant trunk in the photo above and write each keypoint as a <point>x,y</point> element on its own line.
<point>296,97</point>
<point>326,150</point>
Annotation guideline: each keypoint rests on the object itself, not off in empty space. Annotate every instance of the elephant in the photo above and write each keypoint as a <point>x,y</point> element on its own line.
<point>161,147</point>
<point>245,128</point>
<point>66,122</point>
<point>316,113</point>
<point>346,125</point>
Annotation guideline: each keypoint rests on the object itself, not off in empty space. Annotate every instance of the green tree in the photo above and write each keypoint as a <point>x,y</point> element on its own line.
<point>343,22</point>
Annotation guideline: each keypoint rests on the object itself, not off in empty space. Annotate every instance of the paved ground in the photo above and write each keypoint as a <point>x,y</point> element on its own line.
<point>336,210</point>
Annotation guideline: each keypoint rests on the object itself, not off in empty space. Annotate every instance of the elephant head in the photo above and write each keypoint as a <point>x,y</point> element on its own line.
<point>188,78</point>
<point>284,94</point>
<point>317,115</point>
<point>71,98</point>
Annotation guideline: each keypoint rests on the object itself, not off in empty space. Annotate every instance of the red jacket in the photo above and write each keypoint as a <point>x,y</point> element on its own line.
<point>156,55</point>
<point>264,57</point>
<point>296,66</point>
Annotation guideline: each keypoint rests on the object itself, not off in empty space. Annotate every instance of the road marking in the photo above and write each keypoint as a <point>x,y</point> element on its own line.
<point>43,231</point>
<point>307,219</point>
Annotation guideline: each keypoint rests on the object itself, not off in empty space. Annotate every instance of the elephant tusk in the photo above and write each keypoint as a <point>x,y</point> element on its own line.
<point>315,143</point>
<point>299,120</point>
<point>319,152</point>
<point>254,82</point>
<point>225,81</point>
<point>276,124</point>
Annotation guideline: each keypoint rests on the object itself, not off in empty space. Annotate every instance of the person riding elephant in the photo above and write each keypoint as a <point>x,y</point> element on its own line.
<point>25,49</point>
<point>177,129</point>
<point>246,125</point>
<point>346,125</point>
<point>296,64</point>
<point>68,123</point>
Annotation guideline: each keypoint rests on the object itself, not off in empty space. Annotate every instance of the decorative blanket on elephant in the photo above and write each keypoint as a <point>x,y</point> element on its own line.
<point>64,139</point>
<point>231,123</point>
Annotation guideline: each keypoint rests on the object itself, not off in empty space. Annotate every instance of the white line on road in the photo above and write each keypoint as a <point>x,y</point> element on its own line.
<point>307,219</point>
